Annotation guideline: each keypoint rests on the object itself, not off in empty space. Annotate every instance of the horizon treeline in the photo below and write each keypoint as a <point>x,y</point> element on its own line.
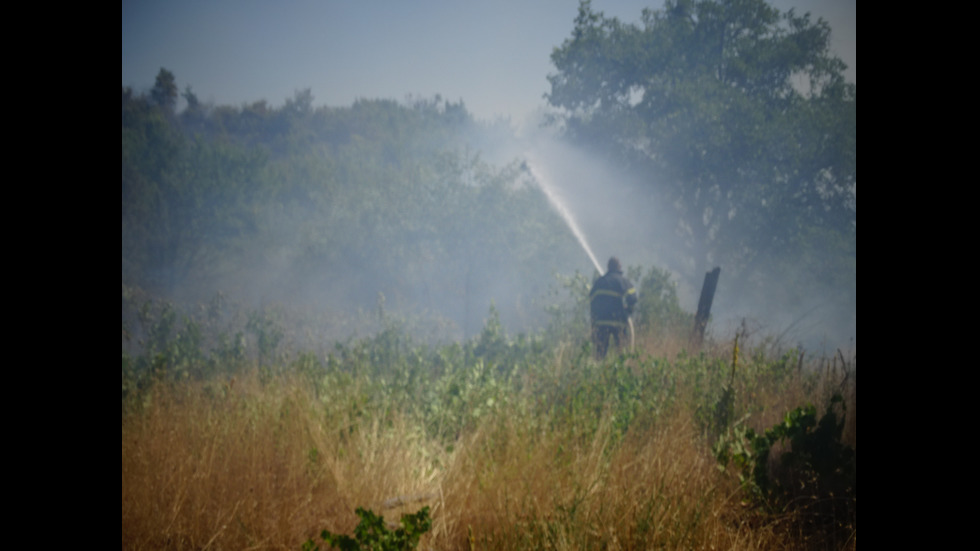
<point>339,208</point>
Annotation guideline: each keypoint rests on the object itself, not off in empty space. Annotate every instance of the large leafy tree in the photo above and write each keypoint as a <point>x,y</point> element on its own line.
<point>738,116</point>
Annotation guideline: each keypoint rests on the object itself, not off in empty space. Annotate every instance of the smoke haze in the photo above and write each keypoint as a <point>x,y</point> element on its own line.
<point>434,218</point>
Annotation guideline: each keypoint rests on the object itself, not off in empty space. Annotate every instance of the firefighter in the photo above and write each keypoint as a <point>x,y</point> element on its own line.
<point>612,300</point>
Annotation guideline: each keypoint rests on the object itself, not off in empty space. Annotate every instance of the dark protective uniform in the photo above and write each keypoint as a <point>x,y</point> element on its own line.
<point>612,299</point>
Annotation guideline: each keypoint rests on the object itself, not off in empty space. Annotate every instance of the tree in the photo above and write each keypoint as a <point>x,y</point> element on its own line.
<point>738,112</point>
<point>182,199</point>
<point>164,92</point>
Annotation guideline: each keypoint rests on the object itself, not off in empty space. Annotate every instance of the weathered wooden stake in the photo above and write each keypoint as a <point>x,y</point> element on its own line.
<point>704,304</point>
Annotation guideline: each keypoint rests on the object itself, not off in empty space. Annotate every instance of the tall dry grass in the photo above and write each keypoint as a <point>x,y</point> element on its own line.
<point>258,464</point>
<point>658,489</point>
<point>207,466</point>
<point>247,465</point>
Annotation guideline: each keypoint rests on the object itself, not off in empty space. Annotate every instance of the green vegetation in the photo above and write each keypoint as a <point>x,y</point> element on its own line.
<point>816,472</point>
<point>371,533</point>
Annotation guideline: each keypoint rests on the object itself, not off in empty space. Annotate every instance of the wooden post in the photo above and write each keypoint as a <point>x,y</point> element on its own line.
<point>704,304</point>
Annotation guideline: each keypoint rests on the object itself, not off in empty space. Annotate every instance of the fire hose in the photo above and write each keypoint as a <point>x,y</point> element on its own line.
<point>630,320</point>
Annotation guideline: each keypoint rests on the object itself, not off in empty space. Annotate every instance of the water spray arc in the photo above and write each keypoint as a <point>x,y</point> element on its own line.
<point>556,202</point>
<point>559,206</point>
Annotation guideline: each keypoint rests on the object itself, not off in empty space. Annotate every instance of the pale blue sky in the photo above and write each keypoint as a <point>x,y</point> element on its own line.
<point>495,56</point>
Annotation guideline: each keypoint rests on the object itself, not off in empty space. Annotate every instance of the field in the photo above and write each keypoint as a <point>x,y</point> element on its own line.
<point>512,443</point>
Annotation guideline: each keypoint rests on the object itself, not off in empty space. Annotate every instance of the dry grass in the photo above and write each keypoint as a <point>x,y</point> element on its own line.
<point>662,344</point>
<point>212,466</point>
<point>242,465</point>
<point>659,489</point>
<point>251,465</point>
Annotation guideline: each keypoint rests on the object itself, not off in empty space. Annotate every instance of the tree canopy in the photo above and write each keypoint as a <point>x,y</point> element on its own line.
<point>737,115</point>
